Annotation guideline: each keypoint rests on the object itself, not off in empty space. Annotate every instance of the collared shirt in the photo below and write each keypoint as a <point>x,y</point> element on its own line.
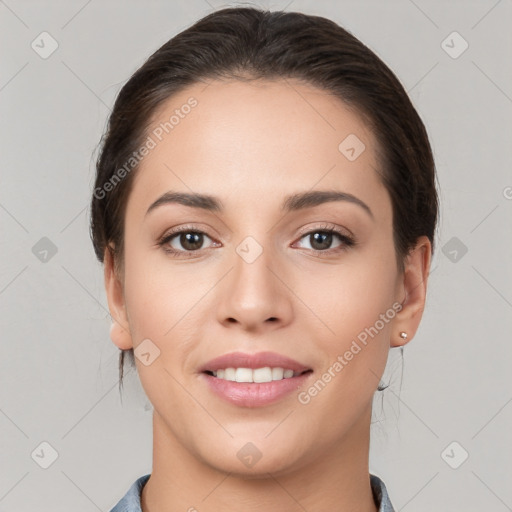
<point>131,500</point>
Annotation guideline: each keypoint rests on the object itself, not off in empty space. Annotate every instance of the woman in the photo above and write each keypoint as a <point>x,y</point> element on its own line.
<point>265,208</point>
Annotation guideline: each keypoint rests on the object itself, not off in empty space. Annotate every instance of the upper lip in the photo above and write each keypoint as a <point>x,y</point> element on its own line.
<point>258,360</point>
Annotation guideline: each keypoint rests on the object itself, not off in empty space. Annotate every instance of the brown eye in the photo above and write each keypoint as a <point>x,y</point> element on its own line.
<point>321,240</point>
<point>191,241</point>
<point>183,241</point>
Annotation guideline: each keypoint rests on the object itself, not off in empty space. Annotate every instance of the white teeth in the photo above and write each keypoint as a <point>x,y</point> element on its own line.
<point>229,374</point>
<point>243,375</point>
<point>258,375</point>
<point>262,375</point>
<point>277,373</point>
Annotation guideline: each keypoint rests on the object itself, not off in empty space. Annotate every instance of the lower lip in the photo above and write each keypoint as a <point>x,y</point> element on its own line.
<point>252,394</point>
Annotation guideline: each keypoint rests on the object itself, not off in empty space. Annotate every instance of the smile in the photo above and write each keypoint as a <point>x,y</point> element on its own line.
<point>257,375</point>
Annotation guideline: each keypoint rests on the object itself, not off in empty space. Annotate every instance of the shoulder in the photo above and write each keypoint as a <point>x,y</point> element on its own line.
<point>380,493</point>
<point>130,502</point>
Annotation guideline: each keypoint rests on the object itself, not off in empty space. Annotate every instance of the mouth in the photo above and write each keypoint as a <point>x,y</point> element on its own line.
<point>254,380</point>
<point>255,387</point>
<point>268,365</point>
<point>256,375</point>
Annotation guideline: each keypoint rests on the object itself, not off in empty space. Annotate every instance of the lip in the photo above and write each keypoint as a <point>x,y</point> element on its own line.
<point>252,394</point>
<point>253,361</point>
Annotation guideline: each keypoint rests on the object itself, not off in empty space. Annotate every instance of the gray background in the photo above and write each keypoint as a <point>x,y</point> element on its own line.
<point>58,368</point>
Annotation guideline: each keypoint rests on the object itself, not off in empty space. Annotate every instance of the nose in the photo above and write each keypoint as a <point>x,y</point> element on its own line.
<point>254,295</point>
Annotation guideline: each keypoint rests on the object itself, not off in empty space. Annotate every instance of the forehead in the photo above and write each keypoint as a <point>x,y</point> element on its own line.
<point>253,142</point>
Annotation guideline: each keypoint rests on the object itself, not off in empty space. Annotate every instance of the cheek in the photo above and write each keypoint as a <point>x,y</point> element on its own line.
<point>163,302</point>
<point>157,303</point>
<point>353,313</point>
<point>348,297</point>
<point>154,293</point>
<point>355,350</point>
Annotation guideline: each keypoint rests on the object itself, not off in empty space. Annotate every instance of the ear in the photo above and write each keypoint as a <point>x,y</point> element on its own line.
<point>413,286</point>
<point>119,330</point>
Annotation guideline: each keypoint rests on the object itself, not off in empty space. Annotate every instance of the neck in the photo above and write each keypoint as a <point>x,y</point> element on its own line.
<point>335,480</point>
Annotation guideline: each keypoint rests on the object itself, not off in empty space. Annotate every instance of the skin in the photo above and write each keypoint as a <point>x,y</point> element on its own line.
<point>250,144</point>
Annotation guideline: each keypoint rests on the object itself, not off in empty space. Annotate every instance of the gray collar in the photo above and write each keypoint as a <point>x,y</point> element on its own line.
<point>130,502</point>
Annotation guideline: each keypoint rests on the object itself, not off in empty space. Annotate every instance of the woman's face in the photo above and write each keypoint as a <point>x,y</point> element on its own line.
<point>263,275</point>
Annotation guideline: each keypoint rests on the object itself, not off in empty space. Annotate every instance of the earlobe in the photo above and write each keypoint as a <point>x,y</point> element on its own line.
<point>119,330</point>
<point>401,339</point>
<point>121,337</point>
<point>414,283</point>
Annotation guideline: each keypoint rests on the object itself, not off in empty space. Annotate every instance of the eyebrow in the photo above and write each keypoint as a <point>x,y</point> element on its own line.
<point>293,202</point>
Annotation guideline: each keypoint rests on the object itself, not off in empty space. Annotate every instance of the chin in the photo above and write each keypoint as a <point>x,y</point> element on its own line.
<point>250,462</point>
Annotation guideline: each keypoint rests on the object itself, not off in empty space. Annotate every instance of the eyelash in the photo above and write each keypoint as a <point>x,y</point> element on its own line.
<point>347,241</point>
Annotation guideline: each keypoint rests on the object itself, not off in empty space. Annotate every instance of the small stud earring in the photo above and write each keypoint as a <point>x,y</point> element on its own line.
<point>403,335</point>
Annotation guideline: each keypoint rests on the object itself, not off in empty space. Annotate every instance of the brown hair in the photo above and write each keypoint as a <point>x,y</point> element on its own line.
<point>248,43</point>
